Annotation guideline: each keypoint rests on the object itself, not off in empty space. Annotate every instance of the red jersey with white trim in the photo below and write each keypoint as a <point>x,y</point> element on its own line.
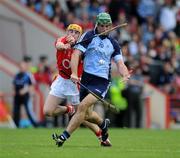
<point>63,58</point>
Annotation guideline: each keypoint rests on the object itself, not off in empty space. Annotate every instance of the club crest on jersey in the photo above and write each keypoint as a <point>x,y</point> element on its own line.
<point>101,44</point>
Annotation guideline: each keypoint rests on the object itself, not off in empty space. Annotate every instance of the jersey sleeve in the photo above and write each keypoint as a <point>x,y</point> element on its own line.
<point>117,55</point>
<point>87,38</point>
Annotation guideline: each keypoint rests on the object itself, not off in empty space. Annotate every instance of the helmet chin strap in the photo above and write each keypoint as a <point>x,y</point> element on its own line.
<point>95,27</point>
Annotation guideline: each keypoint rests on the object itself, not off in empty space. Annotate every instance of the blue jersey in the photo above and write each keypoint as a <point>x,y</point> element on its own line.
<point>98,53</point>
<point>21,80</point>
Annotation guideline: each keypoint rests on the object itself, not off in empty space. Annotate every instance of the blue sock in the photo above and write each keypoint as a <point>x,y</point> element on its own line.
<point>65,135</point>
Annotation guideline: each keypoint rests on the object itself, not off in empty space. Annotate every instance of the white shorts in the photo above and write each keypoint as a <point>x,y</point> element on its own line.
<point>66,89</point>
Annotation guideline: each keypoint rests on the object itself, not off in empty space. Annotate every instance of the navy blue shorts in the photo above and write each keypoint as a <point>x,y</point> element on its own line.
<point>96,84</point>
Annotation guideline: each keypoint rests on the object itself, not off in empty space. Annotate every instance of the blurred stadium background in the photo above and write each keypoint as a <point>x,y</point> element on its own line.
<point>150,44</point>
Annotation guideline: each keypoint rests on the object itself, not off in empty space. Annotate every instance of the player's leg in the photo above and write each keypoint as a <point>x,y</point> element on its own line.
<point>56,97</point>
<point>93,127</point>
<point>98,132</point>
<point>87,100</point>
<point>74,100</point>
<point>100,87</point>
<point>52,107</point>
<point>104,140</point>
<point>76,120</point>
<point>79,117</point>
<point>16,110</point>
<point>29,111</point>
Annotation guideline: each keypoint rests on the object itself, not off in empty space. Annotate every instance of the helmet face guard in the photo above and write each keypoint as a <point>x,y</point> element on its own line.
<point>75,27</point>
<point>103,19</point>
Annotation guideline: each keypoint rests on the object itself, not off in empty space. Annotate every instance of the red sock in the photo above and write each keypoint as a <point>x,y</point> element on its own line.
<point>68,108</point>
<point>98,134</point>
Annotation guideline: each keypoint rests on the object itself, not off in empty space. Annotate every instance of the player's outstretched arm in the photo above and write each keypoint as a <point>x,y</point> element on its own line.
<point>60,45</point>
<point>123,70</point>
<point>74,64</point>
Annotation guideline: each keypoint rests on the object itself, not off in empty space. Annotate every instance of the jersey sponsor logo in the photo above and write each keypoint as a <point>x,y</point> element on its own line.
<point>101,61</point>
<point>98,90</point>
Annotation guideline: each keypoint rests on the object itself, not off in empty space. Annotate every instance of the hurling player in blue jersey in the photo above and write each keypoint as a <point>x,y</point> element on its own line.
<point>98,53</point>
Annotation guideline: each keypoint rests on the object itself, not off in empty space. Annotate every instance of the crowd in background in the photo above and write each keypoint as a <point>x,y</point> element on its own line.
<point>150,43</point>
<point>151,38</point>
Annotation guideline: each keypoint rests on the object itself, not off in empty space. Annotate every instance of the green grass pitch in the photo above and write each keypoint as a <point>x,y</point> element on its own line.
<point>127,143</point>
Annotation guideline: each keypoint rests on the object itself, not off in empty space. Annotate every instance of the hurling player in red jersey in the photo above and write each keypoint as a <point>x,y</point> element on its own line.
<point>63,88</point>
